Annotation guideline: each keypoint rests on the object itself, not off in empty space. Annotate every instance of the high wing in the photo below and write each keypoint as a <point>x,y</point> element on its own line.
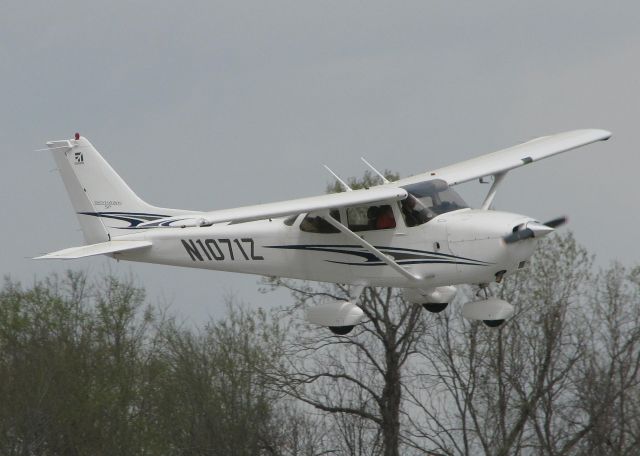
<point>513,157</point>
<point>490,164</point>
<point>283,208</point>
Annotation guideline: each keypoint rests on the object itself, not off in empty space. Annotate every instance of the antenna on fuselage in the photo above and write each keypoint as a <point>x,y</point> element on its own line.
<point>384,179</point>
<point>343,183</point>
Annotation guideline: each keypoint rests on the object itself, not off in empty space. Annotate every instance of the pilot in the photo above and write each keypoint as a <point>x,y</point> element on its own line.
<point>412,215</point>
<point>385,218</point>
<point>445,206</point>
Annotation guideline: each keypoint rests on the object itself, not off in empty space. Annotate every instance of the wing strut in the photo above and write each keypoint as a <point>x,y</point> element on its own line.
<point>343,183</point>
<point>384,179</point>
<point>497,179</point>
<point>381,256</point>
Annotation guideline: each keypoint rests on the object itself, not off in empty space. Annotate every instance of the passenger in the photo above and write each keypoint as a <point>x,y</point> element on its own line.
<point>385,218</point>
<point>372,217</point>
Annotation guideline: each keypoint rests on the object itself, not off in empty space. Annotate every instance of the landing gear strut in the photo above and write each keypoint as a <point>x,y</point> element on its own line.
<point>485,292</point>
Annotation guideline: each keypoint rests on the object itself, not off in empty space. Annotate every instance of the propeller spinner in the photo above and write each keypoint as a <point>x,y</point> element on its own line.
<point>534,229</point>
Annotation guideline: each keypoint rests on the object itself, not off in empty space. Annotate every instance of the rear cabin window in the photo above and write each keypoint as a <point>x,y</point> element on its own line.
<point>367,218</point>
<point>313,223</point>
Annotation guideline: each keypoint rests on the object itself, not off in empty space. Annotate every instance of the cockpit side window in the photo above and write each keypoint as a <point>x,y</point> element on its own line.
<point>427,200</point>
<point>367,218</point>
<point>314,223</point>
<point>414,211</point>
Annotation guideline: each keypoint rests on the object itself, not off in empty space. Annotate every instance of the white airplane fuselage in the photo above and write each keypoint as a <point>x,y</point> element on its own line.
<point>463,246</point>
<point>415,233</point>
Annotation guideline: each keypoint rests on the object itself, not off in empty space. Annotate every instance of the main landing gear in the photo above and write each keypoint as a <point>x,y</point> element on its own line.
<point>492,311</point>
<point>435,307</point>
<point>341,330</point>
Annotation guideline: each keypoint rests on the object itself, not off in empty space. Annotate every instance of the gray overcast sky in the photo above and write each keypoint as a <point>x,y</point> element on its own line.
<point>209,105</point>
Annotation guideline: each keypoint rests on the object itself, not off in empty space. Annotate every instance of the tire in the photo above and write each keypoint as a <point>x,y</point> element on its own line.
<point>435,307</point>
<point>341,330</point>
<point>493,323</point>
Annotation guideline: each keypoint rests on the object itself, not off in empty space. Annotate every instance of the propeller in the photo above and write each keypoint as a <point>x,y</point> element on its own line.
<point>534,229</point>
<point>556,222</point>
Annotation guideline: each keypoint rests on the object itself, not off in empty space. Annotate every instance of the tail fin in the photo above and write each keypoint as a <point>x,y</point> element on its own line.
<point>104,203</point>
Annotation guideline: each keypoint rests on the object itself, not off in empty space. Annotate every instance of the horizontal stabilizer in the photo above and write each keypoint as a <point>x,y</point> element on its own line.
<point>94,249</point>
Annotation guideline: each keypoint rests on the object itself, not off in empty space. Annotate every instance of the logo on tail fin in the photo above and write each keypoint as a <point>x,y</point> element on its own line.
<point>79,158</point>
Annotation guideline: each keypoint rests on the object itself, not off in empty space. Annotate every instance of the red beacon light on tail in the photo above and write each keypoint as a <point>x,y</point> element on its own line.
<point>77,136</point>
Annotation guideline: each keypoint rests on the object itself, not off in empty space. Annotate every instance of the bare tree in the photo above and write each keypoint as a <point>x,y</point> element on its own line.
<point>608,395</point>
<point>560,378</point>
<point>356,378</point>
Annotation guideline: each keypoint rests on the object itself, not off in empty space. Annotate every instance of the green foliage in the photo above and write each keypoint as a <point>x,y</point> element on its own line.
<point>87,369</point>
<point>67,361</point>
<point>210,395</point>
<point>368,180</point>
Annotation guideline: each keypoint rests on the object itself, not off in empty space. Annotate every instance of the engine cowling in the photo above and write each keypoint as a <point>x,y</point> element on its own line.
<point>434,300</point>
<point>339,316</point>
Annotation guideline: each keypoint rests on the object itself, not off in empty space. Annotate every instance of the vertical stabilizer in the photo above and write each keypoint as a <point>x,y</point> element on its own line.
<point>104,203</point>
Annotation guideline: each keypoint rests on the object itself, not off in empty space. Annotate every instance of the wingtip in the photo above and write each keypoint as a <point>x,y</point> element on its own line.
<point>600,134</point>
<point>591,135</point>
<point>606,135</point>
<point>46,256</point>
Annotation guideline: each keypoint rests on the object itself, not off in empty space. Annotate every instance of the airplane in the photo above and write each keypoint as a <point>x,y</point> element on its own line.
<point>415,233</point>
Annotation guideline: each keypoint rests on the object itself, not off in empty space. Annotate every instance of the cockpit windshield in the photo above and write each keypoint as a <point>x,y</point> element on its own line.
<point>427,200</point>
